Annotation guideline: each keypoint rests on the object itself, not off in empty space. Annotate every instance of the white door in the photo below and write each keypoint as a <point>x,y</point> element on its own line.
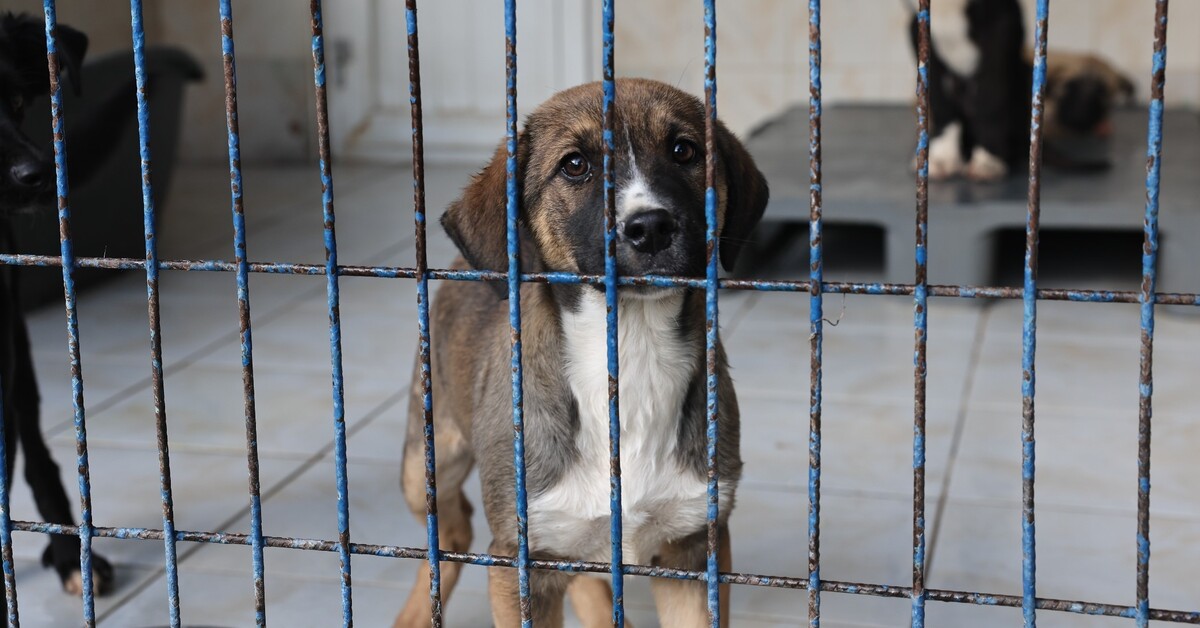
<point>462,71</point>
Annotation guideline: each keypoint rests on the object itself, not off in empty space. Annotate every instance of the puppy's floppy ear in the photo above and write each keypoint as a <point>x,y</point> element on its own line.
<point>747,195</point>
<point>28,35</point>
<point>72,45</point>
<point>476,222</point>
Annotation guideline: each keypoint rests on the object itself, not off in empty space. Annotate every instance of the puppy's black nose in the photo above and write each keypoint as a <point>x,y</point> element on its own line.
<point>29,174</point>
<point>649,231</point>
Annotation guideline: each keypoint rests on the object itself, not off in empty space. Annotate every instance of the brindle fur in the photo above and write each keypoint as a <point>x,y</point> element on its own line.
<point>562,230</point>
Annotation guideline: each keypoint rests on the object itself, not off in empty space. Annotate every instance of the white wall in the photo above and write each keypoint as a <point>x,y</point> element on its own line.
<point>762,61</point>
<point>762,49</point>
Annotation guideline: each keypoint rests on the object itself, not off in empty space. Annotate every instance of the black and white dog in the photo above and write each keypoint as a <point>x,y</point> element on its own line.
<point>978,89</point>
<point>27,185</point>
<point>980,81</point>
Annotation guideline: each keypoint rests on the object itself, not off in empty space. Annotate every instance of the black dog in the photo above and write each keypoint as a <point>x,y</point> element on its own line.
<point>979,89</point>
<point>27,185</point>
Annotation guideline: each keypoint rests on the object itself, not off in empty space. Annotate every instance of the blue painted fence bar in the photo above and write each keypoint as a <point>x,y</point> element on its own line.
<point>333,302</point>
<point>1149,275</point>
<point>68,273</point>
<point>710,301</point>
<point>815,313</point>
<point>153,318</point>
<point>1029,326</point>
<point>920,315</point>
<point>513,210</point>
<point>815,286</point>
<point>423,348</point>
<point>610,304</point>
<point>243,296</point>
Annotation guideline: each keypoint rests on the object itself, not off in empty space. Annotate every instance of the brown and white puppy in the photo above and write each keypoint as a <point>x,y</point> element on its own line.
<point>659,177</point>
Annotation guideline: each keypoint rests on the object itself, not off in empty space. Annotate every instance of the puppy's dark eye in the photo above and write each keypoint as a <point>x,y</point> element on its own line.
<point>684,152</point>
<point>575,166</point>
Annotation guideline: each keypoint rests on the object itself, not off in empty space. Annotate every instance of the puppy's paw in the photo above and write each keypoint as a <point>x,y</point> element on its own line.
<point>986,167</point>
<point>945,155</point>
<point>68,571</point>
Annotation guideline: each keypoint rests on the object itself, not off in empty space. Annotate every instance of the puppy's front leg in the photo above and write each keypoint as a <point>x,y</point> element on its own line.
<point>546,591</point>
<point>591,597</point>
<point>684,603</point>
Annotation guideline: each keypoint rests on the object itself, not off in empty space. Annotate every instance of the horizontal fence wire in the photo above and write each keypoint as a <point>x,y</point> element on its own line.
<point>573,566</point>
<point>815,286</point>
<point>660,281</point>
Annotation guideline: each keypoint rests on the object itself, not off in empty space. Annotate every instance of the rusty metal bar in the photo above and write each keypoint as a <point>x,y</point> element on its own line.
<point>243,296</point>
<point>153,318</point>
<point>68,273</point>
<point>611,302</point>
<point>333,303</point>
<point>816,315</point>
<point>422,277</point>
<point>512,220</point>
<point>1029,327</point>
<point>920,316</point>
<point>1154,140</point>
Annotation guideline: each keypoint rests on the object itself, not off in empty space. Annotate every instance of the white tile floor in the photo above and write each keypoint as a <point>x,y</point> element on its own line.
<point>1087,409</point>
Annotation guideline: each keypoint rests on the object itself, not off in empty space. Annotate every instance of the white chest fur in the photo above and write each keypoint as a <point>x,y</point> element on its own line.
<point>661,500</point>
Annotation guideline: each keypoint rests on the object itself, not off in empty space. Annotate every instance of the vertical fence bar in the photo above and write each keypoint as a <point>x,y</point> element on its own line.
<point>1158,80</point>
<point>816,320</point>
<point>512,209</point>
<point>153,317</point>
<point>611,307</point>
<point>243,296</point>
<point>422,261</point>
<point>1029,325</point>
<point>68,272</point>
<point>333,300</point>
<point>920,313</point>
<point>710,300</point>
<point>10,575</point>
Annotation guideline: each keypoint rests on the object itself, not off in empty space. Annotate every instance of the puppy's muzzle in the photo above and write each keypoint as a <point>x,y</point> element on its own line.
<point>28,175</point>
<point>649,231</point>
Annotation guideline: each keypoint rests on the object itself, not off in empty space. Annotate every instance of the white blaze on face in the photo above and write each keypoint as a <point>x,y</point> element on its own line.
<point>636,195</point>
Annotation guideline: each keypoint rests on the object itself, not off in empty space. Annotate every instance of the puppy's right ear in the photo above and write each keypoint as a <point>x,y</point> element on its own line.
<point>28,36</point>
<point>476,222</point>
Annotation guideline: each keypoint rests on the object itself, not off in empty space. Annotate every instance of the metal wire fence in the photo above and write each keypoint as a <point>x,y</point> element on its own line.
<point>814,286</point>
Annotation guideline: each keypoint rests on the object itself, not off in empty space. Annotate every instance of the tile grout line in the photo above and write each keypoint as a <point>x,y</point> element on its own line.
<point>960,422</point>
<point>299,470</point>
<point>206,350</point>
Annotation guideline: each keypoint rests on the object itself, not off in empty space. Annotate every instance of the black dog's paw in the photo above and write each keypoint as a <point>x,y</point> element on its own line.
<point>67,566</point>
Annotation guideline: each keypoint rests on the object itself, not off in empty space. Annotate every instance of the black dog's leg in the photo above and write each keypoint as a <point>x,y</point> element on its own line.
<point>42,474</point>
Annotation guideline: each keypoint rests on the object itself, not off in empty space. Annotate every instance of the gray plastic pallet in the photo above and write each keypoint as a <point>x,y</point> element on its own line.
<point>866,181</point>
